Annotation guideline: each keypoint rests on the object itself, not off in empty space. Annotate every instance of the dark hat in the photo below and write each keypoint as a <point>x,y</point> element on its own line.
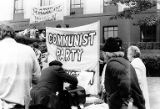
<point>55,62</point>
<point>112,44</point>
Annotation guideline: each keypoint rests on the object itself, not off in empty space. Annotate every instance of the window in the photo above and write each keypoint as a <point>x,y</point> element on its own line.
<point>110,31</point>
<point>76,4</point>
<point>148,33</point>
<point>18,8</point>
<point>46,2</point>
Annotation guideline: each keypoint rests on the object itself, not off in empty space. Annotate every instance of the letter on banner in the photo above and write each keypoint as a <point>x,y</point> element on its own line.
<point>47,13</point>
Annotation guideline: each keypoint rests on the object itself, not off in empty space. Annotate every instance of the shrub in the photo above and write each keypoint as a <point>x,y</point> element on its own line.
<point>152,63</point>
<point>143,45</point>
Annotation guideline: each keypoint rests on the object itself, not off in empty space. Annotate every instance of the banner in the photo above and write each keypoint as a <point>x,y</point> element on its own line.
<point>47,13</point>
<point>78,49</point>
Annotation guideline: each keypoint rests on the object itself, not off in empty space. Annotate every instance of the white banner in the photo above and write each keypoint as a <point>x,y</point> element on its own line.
<point>47,13</point>
<point>78,49</point>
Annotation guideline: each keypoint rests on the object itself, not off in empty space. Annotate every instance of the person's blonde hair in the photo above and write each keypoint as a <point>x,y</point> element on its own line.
<point>135,51</point>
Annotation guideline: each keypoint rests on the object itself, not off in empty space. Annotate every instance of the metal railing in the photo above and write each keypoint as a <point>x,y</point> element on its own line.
<point>143,45</point>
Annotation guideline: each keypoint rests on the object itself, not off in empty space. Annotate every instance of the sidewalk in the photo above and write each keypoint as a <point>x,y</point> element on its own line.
<point>154,92</point>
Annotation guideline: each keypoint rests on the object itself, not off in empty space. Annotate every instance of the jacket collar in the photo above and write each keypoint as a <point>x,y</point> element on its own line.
<point>114,54</point>
<point>109,55</point>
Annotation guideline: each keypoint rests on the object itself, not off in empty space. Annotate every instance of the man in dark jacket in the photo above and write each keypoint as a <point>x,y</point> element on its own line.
<point>51,82</point>
<point>121,81</point>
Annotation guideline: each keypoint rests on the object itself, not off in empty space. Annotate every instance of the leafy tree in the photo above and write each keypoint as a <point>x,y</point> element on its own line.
<point>136,7</point>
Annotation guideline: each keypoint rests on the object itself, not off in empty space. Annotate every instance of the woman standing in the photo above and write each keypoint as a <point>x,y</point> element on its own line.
<point>120,79</point>
<point>133,55</point>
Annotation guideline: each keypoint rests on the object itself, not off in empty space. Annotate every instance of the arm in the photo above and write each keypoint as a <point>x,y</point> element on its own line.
<point>138,68</point>
<point>36,72</point>
<point>124,85</point>
<point>121,77</point>
<point>68,78</point>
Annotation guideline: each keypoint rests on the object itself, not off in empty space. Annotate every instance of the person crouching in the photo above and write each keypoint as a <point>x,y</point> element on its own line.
<point>51,83</point>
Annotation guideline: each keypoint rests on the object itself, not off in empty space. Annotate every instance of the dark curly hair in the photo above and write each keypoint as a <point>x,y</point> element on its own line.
<point>112,44</point>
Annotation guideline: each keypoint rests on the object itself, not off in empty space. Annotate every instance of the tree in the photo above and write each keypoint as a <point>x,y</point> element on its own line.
<point>136,7</point>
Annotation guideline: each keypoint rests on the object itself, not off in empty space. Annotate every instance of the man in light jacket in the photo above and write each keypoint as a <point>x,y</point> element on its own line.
<point>18,68</point>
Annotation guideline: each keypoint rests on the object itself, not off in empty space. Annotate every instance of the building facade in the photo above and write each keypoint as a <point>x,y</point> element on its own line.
<point>81,12</point>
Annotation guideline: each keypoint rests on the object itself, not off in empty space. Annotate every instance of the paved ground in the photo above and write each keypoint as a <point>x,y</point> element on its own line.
<point>154,92</point>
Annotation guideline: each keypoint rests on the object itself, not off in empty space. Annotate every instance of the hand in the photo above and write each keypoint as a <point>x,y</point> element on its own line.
<point>71,87</point>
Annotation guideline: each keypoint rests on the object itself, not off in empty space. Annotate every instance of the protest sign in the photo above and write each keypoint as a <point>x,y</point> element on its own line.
<point>47,13</point>
<point>78,49</point>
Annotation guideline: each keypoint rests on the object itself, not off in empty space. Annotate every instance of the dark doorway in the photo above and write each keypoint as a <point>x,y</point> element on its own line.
<point>148,33</point>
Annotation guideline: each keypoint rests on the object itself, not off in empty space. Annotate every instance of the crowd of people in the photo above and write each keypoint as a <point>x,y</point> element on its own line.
<point>32,33</point>
<point>24,84</point>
